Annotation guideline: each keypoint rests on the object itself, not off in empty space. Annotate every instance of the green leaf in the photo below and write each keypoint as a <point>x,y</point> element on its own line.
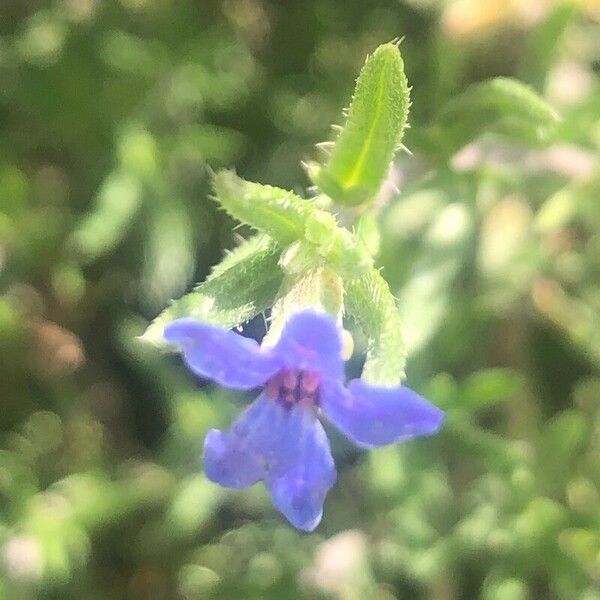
<point>425,298</point>
<point>503,105</point>
<point>497,452</point>
<point>366,229</point>
<point>277,212</point>
<point>564,439</point>
<point>115,206</point>
<point>544,41</point>
<point>363,151</point>
<point>490,386</point>
<point>370,302</point>
<point>233,294</point>
<point>169,250</point>
<point>288,218</point>
<point>340,248</point>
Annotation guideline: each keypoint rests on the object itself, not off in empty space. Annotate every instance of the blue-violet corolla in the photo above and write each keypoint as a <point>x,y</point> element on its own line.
<point>279,438</point>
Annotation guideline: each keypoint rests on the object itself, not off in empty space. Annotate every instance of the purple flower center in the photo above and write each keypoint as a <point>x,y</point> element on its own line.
<point>291,386</point>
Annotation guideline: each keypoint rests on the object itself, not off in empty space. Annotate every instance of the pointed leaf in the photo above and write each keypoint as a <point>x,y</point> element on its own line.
<point>364,149</point>
<point>277,212</point>
<point>370,302</point>
<point>232,295</point>
<point>288,218</point>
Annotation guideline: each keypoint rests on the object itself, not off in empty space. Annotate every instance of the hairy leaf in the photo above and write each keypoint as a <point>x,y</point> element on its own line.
<point>370,302</point>
<point>363,151</point>
<point>231,295</point>
<point>277,212</point>
<point>288,218</point>
<point>340,248</point>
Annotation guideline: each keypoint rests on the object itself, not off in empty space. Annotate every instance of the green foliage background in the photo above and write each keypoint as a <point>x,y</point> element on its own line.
<point>111,113</point>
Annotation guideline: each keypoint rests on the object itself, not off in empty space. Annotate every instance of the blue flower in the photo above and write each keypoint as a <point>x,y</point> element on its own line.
<point>279,438</point>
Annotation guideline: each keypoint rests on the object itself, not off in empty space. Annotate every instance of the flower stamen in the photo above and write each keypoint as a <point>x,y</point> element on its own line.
<point>310,382</point>
<point>291,386</point>
<point>290,379</point>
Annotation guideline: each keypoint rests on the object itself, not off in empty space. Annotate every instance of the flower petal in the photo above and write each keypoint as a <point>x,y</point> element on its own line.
<point>228,462</point>
<point>229,359</point>
<point>300,491</point>
<point>310,341</point>
<point>373,416</point>
<point>262,441</point>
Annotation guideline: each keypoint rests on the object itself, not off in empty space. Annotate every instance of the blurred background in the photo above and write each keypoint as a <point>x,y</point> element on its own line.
<point>110,112</point>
